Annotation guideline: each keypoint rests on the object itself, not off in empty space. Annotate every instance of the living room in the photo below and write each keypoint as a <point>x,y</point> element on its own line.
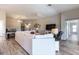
<point>19,21</point>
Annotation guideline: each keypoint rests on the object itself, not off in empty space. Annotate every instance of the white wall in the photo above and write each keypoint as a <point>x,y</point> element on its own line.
<point>12,23</point>
<point>71,14</point>
<point>32,22</point>
<point>3,18</point>
<point>49,20</point>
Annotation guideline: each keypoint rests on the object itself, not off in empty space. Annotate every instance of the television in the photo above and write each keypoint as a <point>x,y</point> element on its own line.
<point>50,26</point>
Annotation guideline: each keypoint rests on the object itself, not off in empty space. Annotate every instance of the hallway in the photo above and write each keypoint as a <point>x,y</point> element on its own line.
<point>74,38</point>
<point>70,46</point>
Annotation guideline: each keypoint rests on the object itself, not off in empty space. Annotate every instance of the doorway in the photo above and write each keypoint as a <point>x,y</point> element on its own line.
<point>72,30</point>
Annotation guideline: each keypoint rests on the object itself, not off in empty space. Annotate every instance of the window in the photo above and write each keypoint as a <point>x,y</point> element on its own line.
<point>74,28</point>
<point>2,28</point>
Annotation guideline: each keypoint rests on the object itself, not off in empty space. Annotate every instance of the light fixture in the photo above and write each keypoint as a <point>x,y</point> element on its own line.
<point>19,21</point>
<point>37,28</point>
<point>20,17</point>
<point>29,24</point>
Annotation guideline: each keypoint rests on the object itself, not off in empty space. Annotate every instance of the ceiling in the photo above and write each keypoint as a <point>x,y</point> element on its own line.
<point>28,11</point>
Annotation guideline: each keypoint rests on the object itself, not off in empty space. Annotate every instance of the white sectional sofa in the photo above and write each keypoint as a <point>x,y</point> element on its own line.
<point>24,38</point>
<point>43,45</point>
<point>36,44</point>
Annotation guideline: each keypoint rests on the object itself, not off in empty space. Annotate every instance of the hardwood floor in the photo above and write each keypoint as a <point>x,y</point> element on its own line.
<point>69,47</point>
<point>10,47</point>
